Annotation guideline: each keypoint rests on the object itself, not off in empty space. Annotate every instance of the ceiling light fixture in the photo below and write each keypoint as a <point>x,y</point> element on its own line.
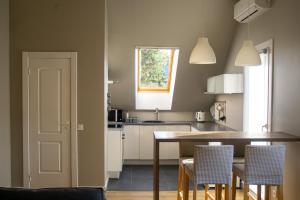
<point>202,52</point>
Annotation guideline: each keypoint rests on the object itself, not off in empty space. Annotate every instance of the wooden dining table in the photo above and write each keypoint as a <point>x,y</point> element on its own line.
<point>211,136</point>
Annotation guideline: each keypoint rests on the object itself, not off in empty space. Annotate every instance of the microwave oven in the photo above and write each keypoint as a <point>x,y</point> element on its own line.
<point>115,115</point>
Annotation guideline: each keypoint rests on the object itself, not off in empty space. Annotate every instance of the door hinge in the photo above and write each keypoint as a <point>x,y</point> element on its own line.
<point>28,71</point>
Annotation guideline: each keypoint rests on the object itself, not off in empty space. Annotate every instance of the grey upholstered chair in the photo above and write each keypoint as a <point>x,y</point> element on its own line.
<point>264,165</point>
<point>212,165</point>
<point>186,155</point>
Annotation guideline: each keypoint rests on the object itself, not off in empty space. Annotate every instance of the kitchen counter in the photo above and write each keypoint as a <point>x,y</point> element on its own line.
<point>200,126</point>
<point>159,123</point>
<point>210,126</point>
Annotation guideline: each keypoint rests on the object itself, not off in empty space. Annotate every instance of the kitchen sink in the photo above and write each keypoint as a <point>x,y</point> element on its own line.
<point>153,121</point>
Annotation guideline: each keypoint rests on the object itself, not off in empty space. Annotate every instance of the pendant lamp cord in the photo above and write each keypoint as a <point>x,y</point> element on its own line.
<point>248,34</point>
<point>203,22</point>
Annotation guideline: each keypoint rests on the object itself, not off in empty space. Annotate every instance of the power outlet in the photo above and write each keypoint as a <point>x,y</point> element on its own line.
<point>80,127</point>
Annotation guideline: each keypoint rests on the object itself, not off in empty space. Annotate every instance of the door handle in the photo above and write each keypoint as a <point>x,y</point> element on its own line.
<point>266,126</point>
<point>65,125</point>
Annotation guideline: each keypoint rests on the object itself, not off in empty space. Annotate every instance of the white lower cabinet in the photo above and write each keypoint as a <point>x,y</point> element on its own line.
<point>114,153</point>
<point>146,142</point>
<point>173,147</point>
<point>131,142</point>
<point>138,144</point>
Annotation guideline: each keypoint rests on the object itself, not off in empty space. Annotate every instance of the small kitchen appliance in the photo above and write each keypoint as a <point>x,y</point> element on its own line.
<point>115,118</point>
<point>200,116</point>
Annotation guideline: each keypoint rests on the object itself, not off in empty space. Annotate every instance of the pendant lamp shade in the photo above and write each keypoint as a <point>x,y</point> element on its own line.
<point>202,53</point>
<point>248,55</point>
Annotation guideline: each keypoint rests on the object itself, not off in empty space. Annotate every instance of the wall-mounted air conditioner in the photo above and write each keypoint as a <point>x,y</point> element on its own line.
<point>247,10</point>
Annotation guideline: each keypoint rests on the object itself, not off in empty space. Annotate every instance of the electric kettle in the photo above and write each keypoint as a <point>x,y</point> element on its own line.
<point>200,116</point>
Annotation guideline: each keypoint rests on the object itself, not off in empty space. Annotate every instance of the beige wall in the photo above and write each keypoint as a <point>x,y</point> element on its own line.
<point>282,24</point>
<point>63,25</point>
<point>5,172</point>
<point>168,23</point>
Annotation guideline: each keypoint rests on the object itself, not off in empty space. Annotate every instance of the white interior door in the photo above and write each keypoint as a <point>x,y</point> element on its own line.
<point>49,122</point>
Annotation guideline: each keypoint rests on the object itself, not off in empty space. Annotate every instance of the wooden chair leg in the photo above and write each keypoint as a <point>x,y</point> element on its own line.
<point>280,192</point>
<point>218,192</point>
<point>195,191</point>
<point>258,192</point>
<point>185,186</point>
<point>179,186</point>
<point>246,190</point>
<point>267,192</point>
<point>227,192</point>
<point>206,192</point>
<point>234,177</point>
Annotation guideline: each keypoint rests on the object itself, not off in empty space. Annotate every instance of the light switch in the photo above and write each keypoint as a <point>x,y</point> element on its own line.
<point>80,127</point>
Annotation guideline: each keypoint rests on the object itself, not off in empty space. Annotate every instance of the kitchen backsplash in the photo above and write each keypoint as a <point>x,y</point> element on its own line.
<point>163,115</point>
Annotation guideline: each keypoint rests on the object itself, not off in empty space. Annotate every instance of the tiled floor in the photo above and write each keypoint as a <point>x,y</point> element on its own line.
<point>140,178</point>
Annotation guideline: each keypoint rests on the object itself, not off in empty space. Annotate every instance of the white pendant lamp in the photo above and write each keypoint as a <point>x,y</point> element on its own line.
<point>248,55</point>
<point>202,53</point>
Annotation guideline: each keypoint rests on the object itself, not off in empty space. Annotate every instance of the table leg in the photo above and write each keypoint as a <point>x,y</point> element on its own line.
<point>156,170</point>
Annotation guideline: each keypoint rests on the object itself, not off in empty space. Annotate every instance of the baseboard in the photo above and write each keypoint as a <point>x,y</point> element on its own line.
<point>106,184</point>
<point>104,187</point>
<point>114,175</point>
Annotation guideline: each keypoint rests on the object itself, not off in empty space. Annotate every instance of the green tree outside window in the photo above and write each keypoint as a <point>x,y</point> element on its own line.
<point>154,68</point>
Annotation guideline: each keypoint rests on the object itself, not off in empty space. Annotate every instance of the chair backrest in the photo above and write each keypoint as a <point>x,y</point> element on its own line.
<point>264,165</point>
<point>239,147</point>
<point>213,164</point>
<point>186,149</point>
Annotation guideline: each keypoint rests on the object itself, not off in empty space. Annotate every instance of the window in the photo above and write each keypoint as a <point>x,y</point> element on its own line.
<point>155,75</point>
<point>155,69</point>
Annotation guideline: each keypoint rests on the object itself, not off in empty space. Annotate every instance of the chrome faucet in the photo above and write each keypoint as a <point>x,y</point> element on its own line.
<point>156,113</point>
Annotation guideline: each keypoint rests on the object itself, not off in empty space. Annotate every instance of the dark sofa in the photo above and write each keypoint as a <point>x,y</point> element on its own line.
<point>82,193</point>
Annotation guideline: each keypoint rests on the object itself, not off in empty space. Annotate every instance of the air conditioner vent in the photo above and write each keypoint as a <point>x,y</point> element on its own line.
<point>247,10</point>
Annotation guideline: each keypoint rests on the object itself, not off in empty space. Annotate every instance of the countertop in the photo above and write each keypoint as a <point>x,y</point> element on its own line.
<point>220,136</point>
<point>200,126</point>
<point>159,123</point>
<point>210,126</point>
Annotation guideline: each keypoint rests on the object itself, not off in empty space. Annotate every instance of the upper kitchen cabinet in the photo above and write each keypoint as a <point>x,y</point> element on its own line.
<point>225,84</point>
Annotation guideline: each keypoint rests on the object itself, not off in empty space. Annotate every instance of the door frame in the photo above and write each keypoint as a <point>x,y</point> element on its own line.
<point>26,56</point>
